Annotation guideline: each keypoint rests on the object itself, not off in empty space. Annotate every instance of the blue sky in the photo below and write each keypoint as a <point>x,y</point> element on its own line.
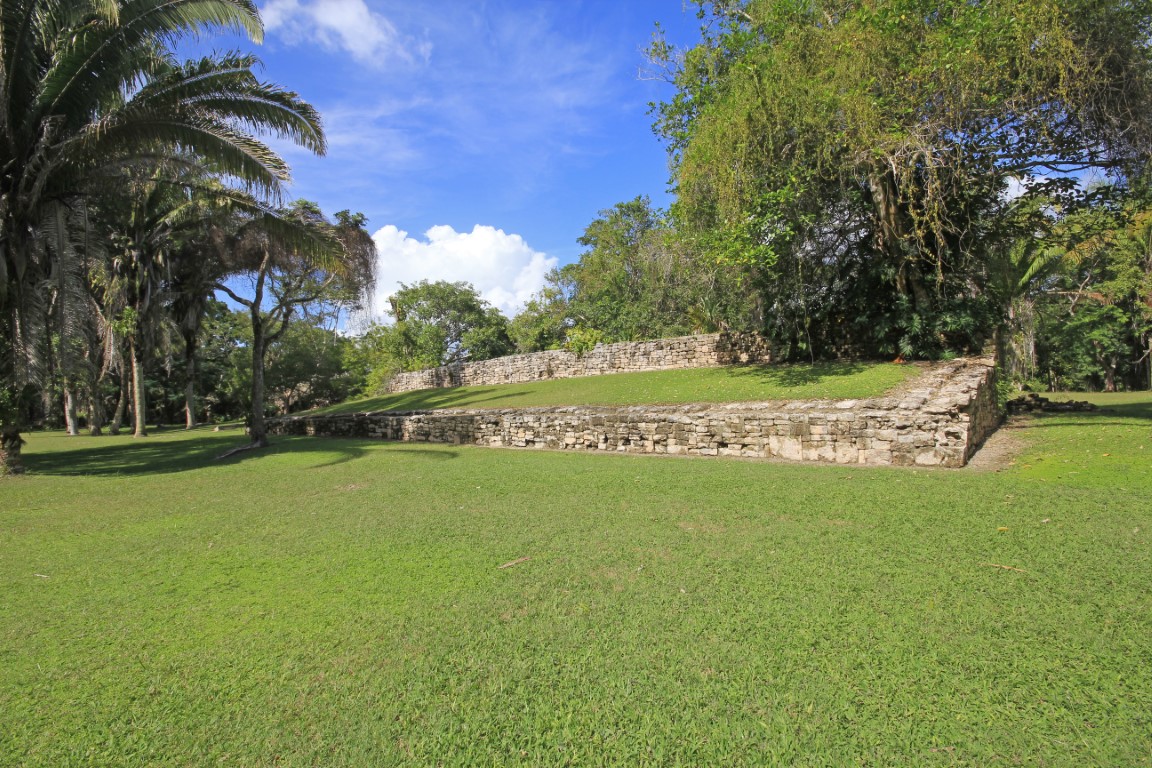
<point>479,138</point>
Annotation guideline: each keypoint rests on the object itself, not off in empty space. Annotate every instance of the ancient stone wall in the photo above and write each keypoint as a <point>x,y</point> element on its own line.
<point>939,419</point>
<point>703,351</point>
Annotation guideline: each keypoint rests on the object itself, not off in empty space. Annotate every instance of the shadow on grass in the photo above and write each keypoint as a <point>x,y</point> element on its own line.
<point>1112,412</point>
<point>791,375</point>
<point>159,456</point>
<point>420,400</point>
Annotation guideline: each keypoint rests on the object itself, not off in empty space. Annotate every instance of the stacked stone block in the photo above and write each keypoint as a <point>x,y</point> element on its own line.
<point>703,351</point>
<point>940,419</point>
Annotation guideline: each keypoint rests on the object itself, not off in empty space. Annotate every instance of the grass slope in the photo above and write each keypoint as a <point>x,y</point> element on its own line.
<point>339,603</point>
<point>696,385</point>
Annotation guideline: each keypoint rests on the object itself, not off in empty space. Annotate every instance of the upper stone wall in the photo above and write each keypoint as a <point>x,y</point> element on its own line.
<point>703,351</point>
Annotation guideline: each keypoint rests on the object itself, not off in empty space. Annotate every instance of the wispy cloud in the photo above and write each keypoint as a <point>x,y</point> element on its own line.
<point>347,25</point>
<point>519,115</point>
<point>505,87</point>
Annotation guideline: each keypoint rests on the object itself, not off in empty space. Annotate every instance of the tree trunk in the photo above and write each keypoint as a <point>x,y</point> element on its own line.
<point>10,443</point>
<point>121,405</point>
<point>190,390</point>
<point>48,405</point>
<point>70,409</point>
<point>895,237</point>
<point>1110,375</point>
<point>138,405</point>
<point>257,429</point>
<point>1000,343</point>
<point>96,415</point>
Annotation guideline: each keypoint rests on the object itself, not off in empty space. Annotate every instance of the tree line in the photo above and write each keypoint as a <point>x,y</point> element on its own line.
<point>888,179</point>
<point>134,187</point>
<point>853,178</point>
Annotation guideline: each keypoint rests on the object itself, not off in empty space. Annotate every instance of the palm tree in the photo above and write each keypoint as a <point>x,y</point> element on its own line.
<point>88,87</point>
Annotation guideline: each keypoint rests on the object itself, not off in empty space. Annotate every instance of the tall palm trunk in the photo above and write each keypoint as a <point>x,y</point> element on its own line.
<point>70,421</point>
<point>189,405</point>
<point>189,382</point>
<point>95,414</point>
<point>121,403</point>
<point>138,404</point>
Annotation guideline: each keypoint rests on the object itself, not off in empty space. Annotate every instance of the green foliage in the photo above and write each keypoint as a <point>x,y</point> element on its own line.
<point>804,148</point>
<point>435,323</point>
<point>638,279</point>
<point>1005,390</point>
<point>340,602</point>
<point>92,97</point>
<point>1093,319</point>
<point>223,370</point>
<point>581,341</point>
<point>305,368</point>
<point>543,323</point>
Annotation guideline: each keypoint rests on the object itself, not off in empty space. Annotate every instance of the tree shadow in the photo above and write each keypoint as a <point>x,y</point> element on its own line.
<point>157,455</point>
<point>419,400</point>
<point>791,375</point>
<point>1113,412</point>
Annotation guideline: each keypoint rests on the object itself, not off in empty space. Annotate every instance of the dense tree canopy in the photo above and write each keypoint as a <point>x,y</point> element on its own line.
<point>637,279</point>
<point>294,261</point>
<point>857,154</point>
<point>433,323</point>
<point>89,91</point>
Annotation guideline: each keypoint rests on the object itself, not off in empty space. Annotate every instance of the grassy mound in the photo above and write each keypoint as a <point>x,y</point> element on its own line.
<point>341,603</point>
<point>696,385</point>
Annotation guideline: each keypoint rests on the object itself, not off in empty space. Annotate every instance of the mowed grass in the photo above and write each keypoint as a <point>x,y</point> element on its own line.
<point>696,385</point>
<point>340,603</point>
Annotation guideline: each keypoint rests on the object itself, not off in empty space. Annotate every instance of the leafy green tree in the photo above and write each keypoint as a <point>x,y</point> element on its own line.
<point>638,279</point>
<point>90,86</point>
<point>544,322</point>
<point>622,282</point>
<point>1096,317</point>
<point>858,153</point>
<point>294,261</point>
<point>305,368</point>
<point>224,336</point>
<point>437,323</point>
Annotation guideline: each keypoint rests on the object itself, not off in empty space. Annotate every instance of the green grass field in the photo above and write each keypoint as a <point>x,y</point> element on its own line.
<point>340,603</point>
<point>696,385</point>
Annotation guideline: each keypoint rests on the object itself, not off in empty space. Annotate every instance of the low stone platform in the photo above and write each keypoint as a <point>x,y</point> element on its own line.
<point>939,419</point>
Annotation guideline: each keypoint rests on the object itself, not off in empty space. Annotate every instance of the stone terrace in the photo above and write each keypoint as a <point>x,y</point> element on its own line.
<point>710,350</point>
<point>938,419</point>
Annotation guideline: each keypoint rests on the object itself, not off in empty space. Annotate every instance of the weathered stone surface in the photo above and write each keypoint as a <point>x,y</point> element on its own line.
<point>957,411</point>
<point>702,351</point>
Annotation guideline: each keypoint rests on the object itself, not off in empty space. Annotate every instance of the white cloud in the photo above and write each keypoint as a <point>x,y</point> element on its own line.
<point>347,25</point>
<point>502,267</point>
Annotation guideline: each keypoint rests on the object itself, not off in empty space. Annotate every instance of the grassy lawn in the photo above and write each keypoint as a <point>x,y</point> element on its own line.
<point>696,385</point>
<point>339,603</point>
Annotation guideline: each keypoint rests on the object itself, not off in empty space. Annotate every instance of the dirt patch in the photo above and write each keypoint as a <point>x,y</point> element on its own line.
<point>1002,446</point>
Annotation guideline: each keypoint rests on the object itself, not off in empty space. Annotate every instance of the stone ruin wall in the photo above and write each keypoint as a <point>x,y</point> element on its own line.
<point>703,351</point>
<point>939,419</point>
